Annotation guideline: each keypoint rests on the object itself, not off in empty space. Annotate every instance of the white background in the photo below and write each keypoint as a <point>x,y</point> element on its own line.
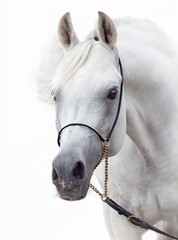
<point>30,208</point>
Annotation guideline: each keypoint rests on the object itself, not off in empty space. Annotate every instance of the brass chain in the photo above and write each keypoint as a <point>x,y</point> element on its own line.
<point>105,150</point>
<point>106,172</point>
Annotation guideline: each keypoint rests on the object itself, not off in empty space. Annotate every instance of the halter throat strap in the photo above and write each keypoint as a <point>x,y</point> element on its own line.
<point>115,121</point>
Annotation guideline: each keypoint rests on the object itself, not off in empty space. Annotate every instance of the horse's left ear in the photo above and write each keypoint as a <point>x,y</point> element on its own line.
<point>106,30</point>
<point>67,35</point>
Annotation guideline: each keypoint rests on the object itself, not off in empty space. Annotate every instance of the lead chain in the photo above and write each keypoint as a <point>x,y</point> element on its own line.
<point>104,154</point>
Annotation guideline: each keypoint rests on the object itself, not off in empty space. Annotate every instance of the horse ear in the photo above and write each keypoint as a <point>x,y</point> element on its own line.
<point>67,35</point>
<point>107,31</point>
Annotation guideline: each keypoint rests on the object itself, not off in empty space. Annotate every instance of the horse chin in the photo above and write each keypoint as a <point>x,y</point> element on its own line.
<point>71,198</point>
<point>74,194</point>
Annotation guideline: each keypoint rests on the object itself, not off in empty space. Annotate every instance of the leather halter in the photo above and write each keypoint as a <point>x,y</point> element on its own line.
<point>131,218</point>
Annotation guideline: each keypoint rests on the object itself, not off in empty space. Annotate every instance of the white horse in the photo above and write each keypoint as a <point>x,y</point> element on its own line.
<point>143,163</point>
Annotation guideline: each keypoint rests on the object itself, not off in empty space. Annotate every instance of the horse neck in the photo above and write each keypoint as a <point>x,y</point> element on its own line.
<point>151,106</point>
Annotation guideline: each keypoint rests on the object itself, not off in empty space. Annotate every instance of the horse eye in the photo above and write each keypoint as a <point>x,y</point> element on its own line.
<point>54,98</point>
<point>112,95</point>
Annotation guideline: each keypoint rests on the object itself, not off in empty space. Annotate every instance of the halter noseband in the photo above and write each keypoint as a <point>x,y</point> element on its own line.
<point>115,121</point>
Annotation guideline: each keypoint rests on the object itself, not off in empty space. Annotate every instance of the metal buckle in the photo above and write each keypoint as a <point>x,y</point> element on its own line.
<point>131,216</point>
<point>103,197</point>
<point>105,143</point>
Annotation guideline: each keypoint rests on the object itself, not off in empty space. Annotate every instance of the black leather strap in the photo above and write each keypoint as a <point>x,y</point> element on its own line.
<point>78,124</point>
<point>134,220</point>
<point>119,105</point>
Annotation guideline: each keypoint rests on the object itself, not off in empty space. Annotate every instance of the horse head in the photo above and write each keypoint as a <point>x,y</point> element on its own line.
<point>86,89</point>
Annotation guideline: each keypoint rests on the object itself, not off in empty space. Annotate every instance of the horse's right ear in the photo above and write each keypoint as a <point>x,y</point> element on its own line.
<point>67,35</point>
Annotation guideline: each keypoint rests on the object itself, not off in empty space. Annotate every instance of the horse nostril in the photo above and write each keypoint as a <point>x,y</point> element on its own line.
<point>78,171</point>
<point>54,176</point>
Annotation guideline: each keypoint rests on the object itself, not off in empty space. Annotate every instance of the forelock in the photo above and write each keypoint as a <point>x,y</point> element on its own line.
<point>71,62</point>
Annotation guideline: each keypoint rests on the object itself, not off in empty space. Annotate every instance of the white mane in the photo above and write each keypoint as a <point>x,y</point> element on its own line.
<point>144,31</point>
<point>69,65</point>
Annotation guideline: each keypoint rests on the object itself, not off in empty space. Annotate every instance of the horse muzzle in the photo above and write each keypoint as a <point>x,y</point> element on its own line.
<point>70,178</point>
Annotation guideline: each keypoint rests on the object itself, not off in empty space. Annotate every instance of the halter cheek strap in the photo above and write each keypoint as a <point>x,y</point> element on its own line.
<point>92,129</point>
